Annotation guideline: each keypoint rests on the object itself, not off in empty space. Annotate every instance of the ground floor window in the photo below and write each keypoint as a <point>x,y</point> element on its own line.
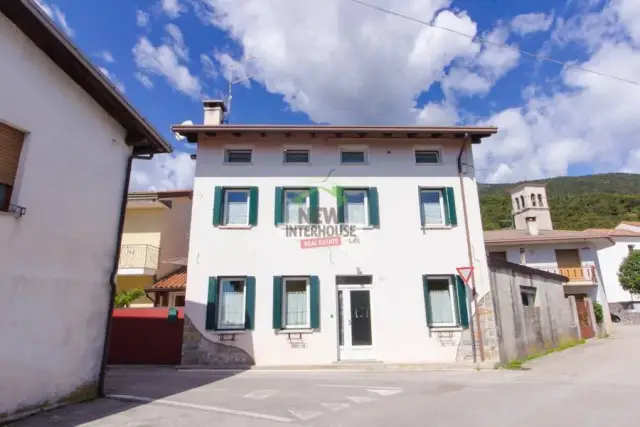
<point>232,299</point>
<point>296,302</point>
<point>445,301</point>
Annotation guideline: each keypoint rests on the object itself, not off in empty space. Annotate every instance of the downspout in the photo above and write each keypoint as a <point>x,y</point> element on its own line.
<point>465,142</point>
<point>114,269</point>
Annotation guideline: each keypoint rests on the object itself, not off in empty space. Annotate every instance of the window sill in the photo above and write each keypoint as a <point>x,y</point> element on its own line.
<point>228,332</point>
<point>294,331</point>
<point>446,328</point>
<point>235,227</point>
<point>436,227</point>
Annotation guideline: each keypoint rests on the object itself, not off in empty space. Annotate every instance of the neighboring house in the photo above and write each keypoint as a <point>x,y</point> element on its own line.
<point>67,141</point>
<point>393,212</point>
<point>155,242</point>
<point>534,243</point>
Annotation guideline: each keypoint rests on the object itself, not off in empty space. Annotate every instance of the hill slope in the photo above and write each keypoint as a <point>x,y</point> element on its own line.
<point>594,201</point>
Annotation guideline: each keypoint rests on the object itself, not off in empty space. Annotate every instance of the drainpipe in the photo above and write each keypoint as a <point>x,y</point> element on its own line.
<point>465,142</point>
<point>114,269</point>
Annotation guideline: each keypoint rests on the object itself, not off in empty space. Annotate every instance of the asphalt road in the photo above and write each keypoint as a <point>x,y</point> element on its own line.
<point>592,385</point>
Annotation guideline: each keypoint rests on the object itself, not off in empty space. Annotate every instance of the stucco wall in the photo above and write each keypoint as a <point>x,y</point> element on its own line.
<point>610,259</point>
<point>174,241</point>
<point>397,254</point>
<point>55,261</point>
<point>544,256</point>
<point>143,226</point>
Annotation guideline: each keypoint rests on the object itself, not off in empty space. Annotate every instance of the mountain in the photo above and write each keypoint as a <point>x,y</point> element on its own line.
<point>577,203</point>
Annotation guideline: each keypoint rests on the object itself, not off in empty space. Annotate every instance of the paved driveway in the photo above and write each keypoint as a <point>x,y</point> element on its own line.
<point>596,384</point>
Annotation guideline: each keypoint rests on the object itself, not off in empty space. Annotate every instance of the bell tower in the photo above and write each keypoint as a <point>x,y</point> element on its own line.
<point>529,204</point>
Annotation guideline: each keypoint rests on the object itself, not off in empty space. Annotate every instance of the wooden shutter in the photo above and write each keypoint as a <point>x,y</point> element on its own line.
<point>250,303</point>
<point>218,194</point>
<point>374,209</point>
<point>314,289</point>
<point>427,298</point>
<point>253,206</point>
<point>279,201</point>
<point>277,302</point>
<point>450,206</point>
<point>339,194</point>
<point>211,322</point>
<point>461,301</point>
<point>420,207</point>
<point>10,148</point>
<point>314,205</point>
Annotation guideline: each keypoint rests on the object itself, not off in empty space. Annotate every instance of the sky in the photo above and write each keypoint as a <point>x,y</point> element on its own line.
<point>340,62</point>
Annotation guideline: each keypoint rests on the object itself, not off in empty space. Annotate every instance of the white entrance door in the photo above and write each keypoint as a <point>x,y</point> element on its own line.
<point>354,322</point>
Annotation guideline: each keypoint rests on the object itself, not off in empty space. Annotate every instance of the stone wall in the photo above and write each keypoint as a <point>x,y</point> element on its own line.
<point>488,331</point>
<point>625,312</point>
<point>200,351</point>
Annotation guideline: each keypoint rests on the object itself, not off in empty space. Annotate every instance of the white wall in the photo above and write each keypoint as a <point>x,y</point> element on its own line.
<point>55,261</point>
<point>174,241</point>
<point>610,259</point>
<point>397,254</point>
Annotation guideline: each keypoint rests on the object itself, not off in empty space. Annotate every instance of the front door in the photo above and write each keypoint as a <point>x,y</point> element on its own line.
<point>584,318</point>
<point>354,322</point>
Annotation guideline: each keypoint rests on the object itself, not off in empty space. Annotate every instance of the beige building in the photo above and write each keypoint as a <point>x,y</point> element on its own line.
<point>154,248</point>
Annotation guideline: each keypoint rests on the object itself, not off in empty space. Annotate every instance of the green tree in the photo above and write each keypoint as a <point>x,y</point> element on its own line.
<point>124,299</point>
<point>629,273</point>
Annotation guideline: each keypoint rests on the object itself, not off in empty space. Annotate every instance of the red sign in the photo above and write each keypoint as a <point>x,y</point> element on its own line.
<point>320,242</point>
<point>465,273</point>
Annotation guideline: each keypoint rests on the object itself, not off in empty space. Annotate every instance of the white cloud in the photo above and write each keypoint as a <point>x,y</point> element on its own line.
<point>173,8</point>
<point>531,23</point>
<point>208,66</point>
<point>107,57</point>
<point>633,162</point>
<point>143,79</point>
<point>57,16</point>
<point>142,18</point>
<point>176,40</point>
<point>165,60</point>
<point>117,83</point>
<point>163,172</point>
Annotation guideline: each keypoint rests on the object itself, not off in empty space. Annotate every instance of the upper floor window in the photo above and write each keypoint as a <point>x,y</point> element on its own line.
<point>517,203</point>
<point>437,207</point>
<point>430,157</point>
<point>350,156</point>
<point>296,156</point>
<point>355,207</point>
<point>235,206</point>
<point>540,200</point>
<point>237,155</point>
<point>296,206</point>
<point>522,202</point>
<point>533,200</point>
<point>11,141</point>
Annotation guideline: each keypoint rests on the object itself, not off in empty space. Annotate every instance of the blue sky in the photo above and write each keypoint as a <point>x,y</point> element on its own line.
<point>334,61</point>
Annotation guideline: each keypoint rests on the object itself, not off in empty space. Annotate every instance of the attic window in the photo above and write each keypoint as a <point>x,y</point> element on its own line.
<point>237,156</point>
<point>424,157</point>
<point>296,156</point>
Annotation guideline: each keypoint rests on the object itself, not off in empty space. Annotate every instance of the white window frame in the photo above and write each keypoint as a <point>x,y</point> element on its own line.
<point>366,206</point>
<point>244,303</point>
<point>353,149</point>
<point>172,298</point>
<point>442,207</point>
<point>225,206</point>
<point>295,148</point>
<point>226,151</point>
<point>285,213</point>
<point>452,295</point>
<point>435,150</point>
<point>285,279</point>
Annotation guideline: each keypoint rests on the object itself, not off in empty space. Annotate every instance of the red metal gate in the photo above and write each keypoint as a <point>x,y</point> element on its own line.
<point>145,336</point>
<point>586,328</point>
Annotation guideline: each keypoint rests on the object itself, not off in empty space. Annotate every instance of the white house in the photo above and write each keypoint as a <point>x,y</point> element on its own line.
<point>373,278</point>
<point>67,140</point>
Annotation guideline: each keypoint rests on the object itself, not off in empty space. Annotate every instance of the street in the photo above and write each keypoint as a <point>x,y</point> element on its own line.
<point>591,385</point>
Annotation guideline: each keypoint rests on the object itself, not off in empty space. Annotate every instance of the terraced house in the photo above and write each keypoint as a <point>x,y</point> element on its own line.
<point>323,244</point>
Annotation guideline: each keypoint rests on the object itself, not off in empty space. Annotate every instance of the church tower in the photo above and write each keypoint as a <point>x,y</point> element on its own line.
<point>530,206</point>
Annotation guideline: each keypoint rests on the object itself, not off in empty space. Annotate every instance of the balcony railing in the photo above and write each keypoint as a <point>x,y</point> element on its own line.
<point>575,274</point>
<point>139,256</point>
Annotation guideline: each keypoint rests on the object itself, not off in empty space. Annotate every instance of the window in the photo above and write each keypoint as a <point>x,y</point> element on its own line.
<point>523,256</point>
<point>431,157</point>
<point>11,141</point>
<point>295,303</point>
<point>178,300</point>
<point>296,156</point>
<point>437,207</point>
<point>528,295</point>
<point>353,157</point>
<point>533,200</point>
<point>445,301</point>
<point>236,207</point>
<point>5,197</point>
<point>296,206</point>
<point>232,300</point>
<point>517,203</point>
<point>237,156</point>
<point>540,200</point>
<point>355,207</point>
<point>522,202</point>
<point>631,248</point>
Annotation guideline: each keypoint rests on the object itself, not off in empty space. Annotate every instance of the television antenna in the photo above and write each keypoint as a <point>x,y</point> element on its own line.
<point>231,83</point>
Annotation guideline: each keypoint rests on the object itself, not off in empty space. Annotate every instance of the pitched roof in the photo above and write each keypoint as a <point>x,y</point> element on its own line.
<point>174,281</point>
<point>39,28</point>
<point>633,223</point>
<point>615,232</point>
<point>521,236</point>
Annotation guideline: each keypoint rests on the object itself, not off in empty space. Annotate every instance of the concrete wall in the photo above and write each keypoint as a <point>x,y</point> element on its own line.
<point>56,260</point>
<point>521,330</point>
<point>397,254</point>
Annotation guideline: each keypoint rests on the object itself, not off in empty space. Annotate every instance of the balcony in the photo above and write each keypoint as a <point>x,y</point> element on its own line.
<point>576,275</point>
<point>138,260</point>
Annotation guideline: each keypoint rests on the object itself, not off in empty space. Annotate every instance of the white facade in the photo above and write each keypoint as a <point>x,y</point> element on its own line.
<point>396,254</point>
<point>610,259</point>
<point>56,260</point>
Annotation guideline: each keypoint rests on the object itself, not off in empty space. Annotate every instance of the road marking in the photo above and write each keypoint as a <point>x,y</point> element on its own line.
<point>335,407</point>
<point>360,399</point>
<point>257,415</point>
<point>385,392</point>
<point>305,415</point>
<point>377,387</point>
<point>260,394</point>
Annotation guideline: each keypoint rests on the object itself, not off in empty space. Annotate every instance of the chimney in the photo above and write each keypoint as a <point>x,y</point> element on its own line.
<point>214,112</point>
<point>532,226</point>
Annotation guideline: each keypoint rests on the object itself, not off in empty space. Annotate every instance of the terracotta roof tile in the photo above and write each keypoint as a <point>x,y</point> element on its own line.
<point>175,280</point>
<point>521,236</point>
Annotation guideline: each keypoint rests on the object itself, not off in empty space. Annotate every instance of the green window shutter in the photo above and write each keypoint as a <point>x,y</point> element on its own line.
<point>427,298</point>
<point>253,205</point>
<point>211,320</point>
<point>277,302</point>
<point>339,194</point>
<point>279,219</point>
<point>461,301</point>
<point>314,205</point>
<point>450,206</point>
<point>314,289</point>
<point>420,207</point>
<point>374,209</point>
<point>218,195</point>
<point>250,303</point>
